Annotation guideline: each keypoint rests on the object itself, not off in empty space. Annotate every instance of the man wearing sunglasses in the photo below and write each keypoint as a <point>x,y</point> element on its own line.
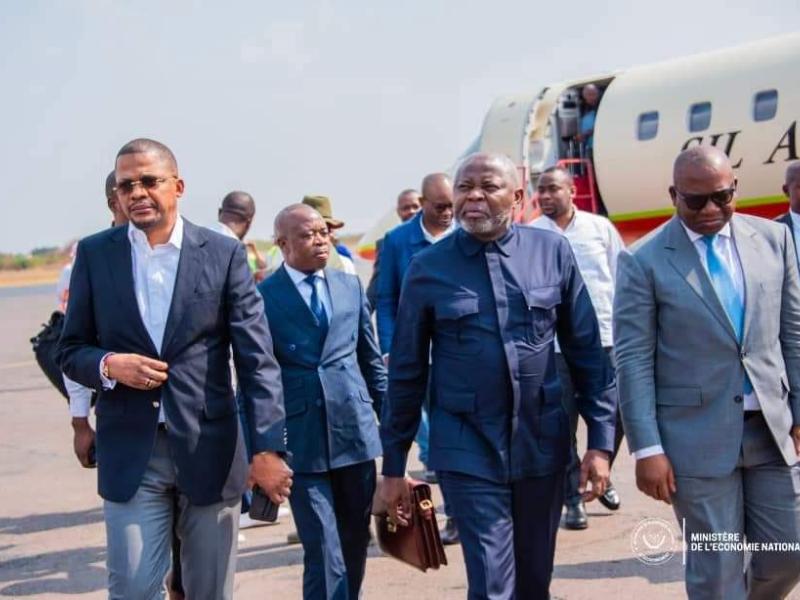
<point>431,224</point>
<point>154,308</point>
<point>707,331</point>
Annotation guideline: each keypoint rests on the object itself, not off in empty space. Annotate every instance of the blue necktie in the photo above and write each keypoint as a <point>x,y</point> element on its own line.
<point>723,284</point>
<point>317,308</point>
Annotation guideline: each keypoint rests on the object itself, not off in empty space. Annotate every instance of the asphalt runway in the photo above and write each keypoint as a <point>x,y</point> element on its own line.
<point>51,526</point>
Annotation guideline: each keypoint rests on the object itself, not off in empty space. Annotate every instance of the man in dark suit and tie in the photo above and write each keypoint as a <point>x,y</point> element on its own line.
<point>487,301</point>
<point>334,383</point>
<point>791,188</point>
<point>408,205</point>
<point>155,307</point>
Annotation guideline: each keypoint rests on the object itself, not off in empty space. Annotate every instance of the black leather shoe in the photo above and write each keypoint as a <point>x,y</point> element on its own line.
<point>449,533</point>
<point>576,517</point>
<point>610,499</point>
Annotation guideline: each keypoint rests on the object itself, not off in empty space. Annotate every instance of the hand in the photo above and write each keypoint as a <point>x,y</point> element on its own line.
<point>594,468</point>
<point>795,433</point>
<point>395,496</point>
<point>137,371</point>
<point>271,474</point>
<point>654,477</point>
<point>82,440</point>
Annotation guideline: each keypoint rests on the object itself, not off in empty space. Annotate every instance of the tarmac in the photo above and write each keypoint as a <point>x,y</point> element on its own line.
<point>52,539</point>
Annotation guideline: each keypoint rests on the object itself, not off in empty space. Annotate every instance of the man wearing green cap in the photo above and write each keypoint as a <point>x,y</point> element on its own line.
<point>340,258</point>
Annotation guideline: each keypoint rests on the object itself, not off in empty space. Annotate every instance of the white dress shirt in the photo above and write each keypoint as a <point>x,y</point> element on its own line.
<point>154,272</point>
<point>796,230</point>
<point>298,278</point>
<point>432,239</point>
<point>725,247</point>
<point>220,227</point>
<point>596,243</point>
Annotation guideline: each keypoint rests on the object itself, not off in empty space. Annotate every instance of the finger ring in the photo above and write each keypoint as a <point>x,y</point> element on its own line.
<point>148,383</point>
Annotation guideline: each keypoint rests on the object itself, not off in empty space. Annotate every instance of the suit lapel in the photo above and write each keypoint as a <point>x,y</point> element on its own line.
<point>121,267</point>
<point>186,280</point>
<point>746,243</point>
<point>687,263</point>
<point>288,297</point>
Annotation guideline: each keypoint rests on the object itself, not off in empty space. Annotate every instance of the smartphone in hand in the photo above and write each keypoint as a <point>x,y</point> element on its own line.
<point>262,508</point>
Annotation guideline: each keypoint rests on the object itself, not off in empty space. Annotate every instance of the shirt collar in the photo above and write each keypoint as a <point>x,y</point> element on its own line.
<point>429,237</point>
<point>220,227</point>
<point>471,245</point>
<point>137,236</point>
<point>298,277</point>
<point>694,236</point>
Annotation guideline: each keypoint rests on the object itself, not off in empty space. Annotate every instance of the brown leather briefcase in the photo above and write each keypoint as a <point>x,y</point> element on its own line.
<point>417,544</point>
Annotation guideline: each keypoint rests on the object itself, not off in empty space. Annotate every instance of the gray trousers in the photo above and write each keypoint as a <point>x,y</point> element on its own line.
<point>758,502</point>
<point>139,536</point>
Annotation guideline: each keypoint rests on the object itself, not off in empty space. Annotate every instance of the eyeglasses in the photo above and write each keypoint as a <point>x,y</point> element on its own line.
<point>698,201</point>
<point>148,182</point>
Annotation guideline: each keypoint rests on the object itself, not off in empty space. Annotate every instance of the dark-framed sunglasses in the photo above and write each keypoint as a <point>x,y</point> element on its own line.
<point>698,201</point>
<point>148,182</point>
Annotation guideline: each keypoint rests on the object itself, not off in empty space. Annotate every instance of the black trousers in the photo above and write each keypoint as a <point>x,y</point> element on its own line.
<point>569,397</point>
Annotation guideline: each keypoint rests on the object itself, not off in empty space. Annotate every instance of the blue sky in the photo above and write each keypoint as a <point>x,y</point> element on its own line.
<point>355,100</point>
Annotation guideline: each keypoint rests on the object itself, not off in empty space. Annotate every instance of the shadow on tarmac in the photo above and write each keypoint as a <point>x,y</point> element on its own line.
<point>37,523</point>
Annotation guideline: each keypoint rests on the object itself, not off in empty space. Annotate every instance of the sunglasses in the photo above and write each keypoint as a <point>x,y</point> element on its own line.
<point>148,182</point>
<point>698,201</point>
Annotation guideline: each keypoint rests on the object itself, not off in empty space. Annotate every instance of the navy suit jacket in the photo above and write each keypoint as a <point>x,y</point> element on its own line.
<point>400,245</point>
<point>215,306</point>
<point>333,387</point>
<point>495,399</point>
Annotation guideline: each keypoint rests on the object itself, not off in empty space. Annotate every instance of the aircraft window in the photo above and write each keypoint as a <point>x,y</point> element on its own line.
<point>765,105</point>
<point>648,125</point>
<point>700,116</point>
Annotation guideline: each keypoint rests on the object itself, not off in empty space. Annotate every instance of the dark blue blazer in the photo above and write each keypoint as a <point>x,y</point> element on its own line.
<point>399,246</point>
<point>495,400</point>
<point>215,306</point>
<point>333,387</point>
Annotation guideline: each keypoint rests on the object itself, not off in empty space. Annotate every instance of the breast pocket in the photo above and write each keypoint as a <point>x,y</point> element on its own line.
<point>457,320</point>
<point>541,303</point>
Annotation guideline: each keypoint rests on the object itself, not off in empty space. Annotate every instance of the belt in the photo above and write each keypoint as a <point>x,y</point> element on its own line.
<point>749,414</point>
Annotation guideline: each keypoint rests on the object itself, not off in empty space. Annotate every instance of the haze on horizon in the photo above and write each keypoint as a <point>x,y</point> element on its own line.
<point>356,101</point>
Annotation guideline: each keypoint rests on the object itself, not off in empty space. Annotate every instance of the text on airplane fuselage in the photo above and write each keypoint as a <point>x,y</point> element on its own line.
<point>786,147</point>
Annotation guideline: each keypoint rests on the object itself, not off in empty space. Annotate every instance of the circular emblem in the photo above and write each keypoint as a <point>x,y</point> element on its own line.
<point>653,541</point>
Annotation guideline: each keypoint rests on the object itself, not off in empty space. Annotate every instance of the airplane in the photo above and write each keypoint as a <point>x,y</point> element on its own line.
<point>745,100</point>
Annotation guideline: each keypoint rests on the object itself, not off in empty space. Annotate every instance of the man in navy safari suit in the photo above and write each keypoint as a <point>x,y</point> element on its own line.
<point>334,381</point>
<point>487,300</point>
<point>155,307</point>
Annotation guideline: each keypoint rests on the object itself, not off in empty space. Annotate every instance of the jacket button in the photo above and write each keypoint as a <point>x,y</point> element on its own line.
<point>155,404</point>
<point>737,399</point>
<point>318,402</point>
<point>292,347</point>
